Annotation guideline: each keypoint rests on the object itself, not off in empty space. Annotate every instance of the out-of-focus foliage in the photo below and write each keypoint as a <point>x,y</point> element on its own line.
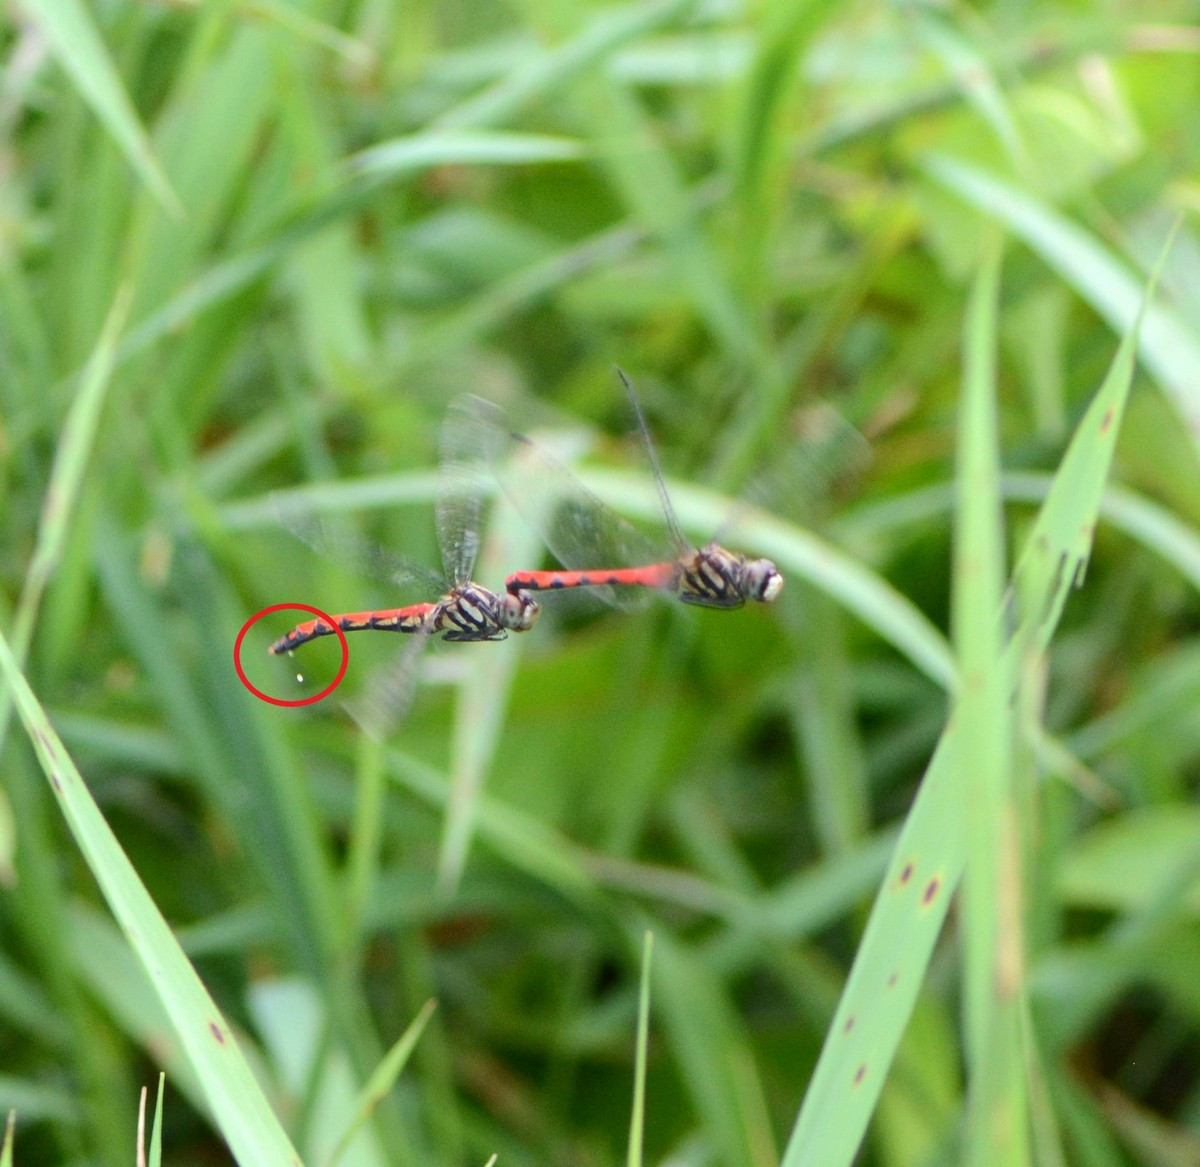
<point>260,247</point>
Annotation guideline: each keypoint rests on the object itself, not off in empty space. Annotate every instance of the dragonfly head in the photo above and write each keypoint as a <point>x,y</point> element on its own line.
<point>761,580</point>
<point>518,611</point>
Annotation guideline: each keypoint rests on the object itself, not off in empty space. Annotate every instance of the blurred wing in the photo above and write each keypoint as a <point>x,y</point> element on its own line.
<point>581,531</point>
<point>464,479</point>
<point>822,455</point>
<point>388,694</point>
<point>677,537</point>
<point>822,458</point>
<point>334,542</point>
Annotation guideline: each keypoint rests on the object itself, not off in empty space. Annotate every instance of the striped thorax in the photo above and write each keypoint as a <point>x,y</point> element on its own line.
<point>715,578</point>
<point>472,612</point>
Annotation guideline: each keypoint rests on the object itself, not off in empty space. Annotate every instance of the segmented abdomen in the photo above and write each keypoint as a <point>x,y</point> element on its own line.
<point>410,619</point>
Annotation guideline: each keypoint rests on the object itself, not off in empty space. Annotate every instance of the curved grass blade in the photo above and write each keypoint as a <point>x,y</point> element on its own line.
<point>1139,517</point>
<point>66,480</point>
<point>238,1105</point>
<point>794,550</point>
<point>401,156</point>
<point>382,1080</point>
<point>58,506</point>
<point>77,44</point>
<point>545,72</point>
<point>911,906</point>
<point>580,530</point>
<point>1170,350</point>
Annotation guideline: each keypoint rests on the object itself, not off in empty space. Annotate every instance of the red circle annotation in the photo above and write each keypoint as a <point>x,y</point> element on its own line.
<point>237,655</point>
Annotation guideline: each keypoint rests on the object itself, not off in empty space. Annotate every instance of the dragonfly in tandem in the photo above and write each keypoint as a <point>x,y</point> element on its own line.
<point>464,611</point>
<point>587,536</point>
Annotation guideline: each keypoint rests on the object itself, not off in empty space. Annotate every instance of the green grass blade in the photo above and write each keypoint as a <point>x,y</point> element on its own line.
<point>1141,518</point>
<point>525,842</point>
<point>659,199</point>
<point>973,74</point>
<point>844,578</point>
<point>366,834</point>
<point>354,52</point>
<point>637,1118</point>
<point>1169,347</point>
<point>912,903</point>
<point>702,512</point>
<point>483,697</point>
<point>828,729</point>
<point>72,32</point>
<point>711,1051</point>
<point>543,73</point>
<point>247,1123</point>
<point>155,1157</point>
<point>113,975</point>
<point>993,954</point>
<point>381,1081</point>
<point>762,143</point>
<point>400,156</point>
<point>66,480</point>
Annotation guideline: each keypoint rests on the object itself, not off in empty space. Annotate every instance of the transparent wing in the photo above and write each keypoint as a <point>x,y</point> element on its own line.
<point>335,543</point>
<point>464,479</point>
<point>388,694</point>
<point>581,531</point>
<point>681,544</point>
<point>823,455</point>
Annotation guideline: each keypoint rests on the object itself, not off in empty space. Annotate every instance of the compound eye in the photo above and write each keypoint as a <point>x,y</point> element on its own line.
<point>519,612</point>
<point>763,580</point>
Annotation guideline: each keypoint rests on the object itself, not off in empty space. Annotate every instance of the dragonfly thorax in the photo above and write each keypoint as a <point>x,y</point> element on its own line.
<point>715,578</point>
<point>473,612</point>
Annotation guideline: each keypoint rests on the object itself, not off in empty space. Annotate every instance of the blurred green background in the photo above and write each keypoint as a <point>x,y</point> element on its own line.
<point>308,228</point>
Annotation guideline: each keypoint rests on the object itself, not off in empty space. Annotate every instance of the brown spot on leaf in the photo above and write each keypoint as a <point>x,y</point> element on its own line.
<point>849,1024</point>
<point>47,744</point>
<point>216,1031</point>
<point>906,874</point>
<point>931,890</point>
<point>860,1074</point>
<point>1107,420</point>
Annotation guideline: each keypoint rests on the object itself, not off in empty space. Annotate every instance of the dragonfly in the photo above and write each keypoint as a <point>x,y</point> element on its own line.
<point>464,611</point>
<point>583,534</point>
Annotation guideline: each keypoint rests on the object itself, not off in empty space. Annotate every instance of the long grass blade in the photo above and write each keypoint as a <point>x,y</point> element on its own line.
<point>993,950</point>
<point>78,45</point>
<point>381,1081</point>
<point>247,1122</point>
<point>1169,347</point>
<point>637,1118</point>
<point>915,895</point>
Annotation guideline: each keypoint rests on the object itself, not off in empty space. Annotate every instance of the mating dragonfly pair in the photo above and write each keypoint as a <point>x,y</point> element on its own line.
<point>582,532</point>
